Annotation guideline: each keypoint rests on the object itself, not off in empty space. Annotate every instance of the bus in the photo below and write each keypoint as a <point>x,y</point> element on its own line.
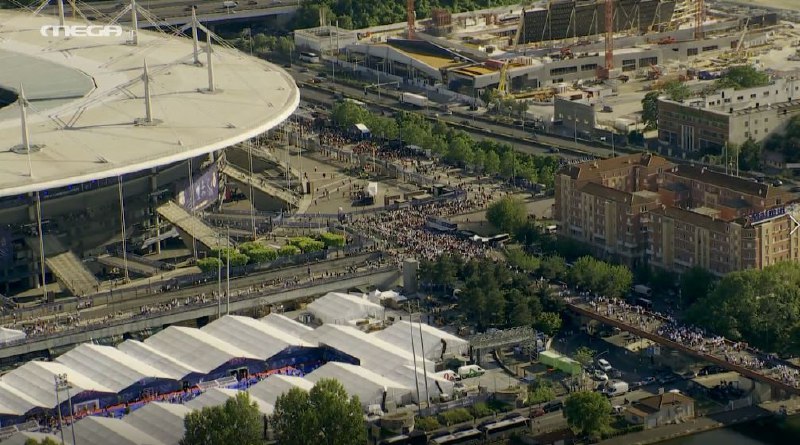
<point>309,57</point>
<point>412,438</point>
<point>504,428</point>
<point>440,224</point>
<point>467,437</point>
<point>354,102</point>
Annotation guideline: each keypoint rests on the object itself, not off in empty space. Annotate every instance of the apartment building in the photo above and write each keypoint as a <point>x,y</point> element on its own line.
<point>643,208</point>
<point>728,116</point>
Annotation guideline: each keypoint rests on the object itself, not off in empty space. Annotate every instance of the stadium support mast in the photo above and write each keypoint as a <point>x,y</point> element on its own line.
<point>61,13</point>
<point>410,18</point>
<point>26,135</point>
<point>211,87</point>
<point>609,36</point>
<point>699,18</point>
<point>148,106</point>
<point>134,23</point>
<point>194,36</point>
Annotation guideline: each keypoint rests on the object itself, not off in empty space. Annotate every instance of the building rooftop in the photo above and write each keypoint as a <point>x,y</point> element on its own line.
<point>90,133</point>
<point>593,169</point>
<point>690,217</point>
<point>735,183</point>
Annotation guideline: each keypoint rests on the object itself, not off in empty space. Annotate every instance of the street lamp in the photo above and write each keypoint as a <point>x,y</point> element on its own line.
<point>62,384</point>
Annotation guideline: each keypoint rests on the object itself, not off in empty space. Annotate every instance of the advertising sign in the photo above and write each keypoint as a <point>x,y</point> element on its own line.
<point>201,192</point>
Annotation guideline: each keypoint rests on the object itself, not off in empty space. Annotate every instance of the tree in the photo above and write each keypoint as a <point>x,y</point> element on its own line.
<point>548,322</point>
<point>676,90</point>
<point>285,46</point>
<point>742,76</point>
<point>553,267</point>
<point>332,239</point>
<point>262,255</point>
<point>326,413</point>
<point>507,214</point>
<point>520,314</point>
<point>508,164</point>
<point>588,413</point>
<point>540,391</point>
<point>695,284</point>
<point>492,163</point>
<point>210,264</point>
<point>45,441</point>
<point>650,110</point>
<point>584,356</point>
<point>750,155</point>
<point>288,250</point>
<point>238,421</point>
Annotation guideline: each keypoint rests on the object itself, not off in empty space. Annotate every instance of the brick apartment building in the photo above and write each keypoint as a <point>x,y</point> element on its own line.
<point>644,209</point>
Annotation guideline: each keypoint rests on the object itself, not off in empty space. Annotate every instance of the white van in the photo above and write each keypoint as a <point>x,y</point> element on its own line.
<point>614,389</point>
<point>468,371</point>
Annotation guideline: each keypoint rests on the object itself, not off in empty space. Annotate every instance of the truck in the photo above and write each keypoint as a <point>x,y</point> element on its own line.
<point>468,371</point>
<point>642,290</point>
<point>414,99</point>
<point>617,388</point>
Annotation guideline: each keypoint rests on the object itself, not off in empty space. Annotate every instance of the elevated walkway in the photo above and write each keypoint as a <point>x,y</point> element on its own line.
<point>261,184</point>
<point>134,266</point>
<point>68,269</point>
<point>192,226</point>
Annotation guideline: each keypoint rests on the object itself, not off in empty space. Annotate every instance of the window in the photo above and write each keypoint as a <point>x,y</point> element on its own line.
<point>564,70</point>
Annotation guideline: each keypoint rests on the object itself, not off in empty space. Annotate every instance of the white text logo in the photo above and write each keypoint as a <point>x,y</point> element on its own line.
<point>81,31</point>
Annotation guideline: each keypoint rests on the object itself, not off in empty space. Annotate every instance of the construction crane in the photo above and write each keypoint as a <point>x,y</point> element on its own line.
<point>410,18</point>
<point>609,36</point>
<point>741,39</point>
<point>699,18</point>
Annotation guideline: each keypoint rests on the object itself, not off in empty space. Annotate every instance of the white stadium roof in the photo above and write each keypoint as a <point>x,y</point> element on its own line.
<point>337,307</point>
<point>251,335</point>
<point>157,359</point>
<point>273,386</point>
<point>101,139</point>
<point>163,421</point>
<point>361,382</point>
<point>196,348</point>
<point>286,324</point>
<point>109,366</point>
<point>400,335</point>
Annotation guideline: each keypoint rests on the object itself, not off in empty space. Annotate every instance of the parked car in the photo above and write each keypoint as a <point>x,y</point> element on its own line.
<point>604,365</point>
<point>600,375</point>
<point>555,405</point>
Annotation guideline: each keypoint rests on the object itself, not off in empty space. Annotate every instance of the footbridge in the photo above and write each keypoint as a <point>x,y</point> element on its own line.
<point>770,374</point>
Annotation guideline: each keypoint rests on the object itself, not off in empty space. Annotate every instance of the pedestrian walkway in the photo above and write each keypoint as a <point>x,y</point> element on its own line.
<point>261,184</point>
<point>65,266</point>
<point>192,226</point>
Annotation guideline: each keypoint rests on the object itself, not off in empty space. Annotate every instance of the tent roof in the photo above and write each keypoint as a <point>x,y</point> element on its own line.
<point>96,430</point>
<point>109,366</point>
<point>357,381</point>
<point>274,386</point>
<point>196,348</point>
<point>251,335</point>
<point>373,353</point>
<point>400,335</point>
<point>157,359</point>
<point>8,335</point>
<point>14,402</point>
<point>163,421</point>
<point>36,381</point>
<point>22,436</point>
<point>361,127</point>
<point>218,396</point>
<point>339,307</point>
<point>286,324</point>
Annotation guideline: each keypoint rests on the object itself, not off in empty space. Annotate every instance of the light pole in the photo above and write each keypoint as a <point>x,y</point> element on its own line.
<point>62,384</point>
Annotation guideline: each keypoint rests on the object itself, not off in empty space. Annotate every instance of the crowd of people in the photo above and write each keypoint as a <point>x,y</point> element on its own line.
<point>664,325</point>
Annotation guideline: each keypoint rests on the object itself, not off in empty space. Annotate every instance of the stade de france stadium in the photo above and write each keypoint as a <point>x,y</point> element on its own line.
<point>90,126</point>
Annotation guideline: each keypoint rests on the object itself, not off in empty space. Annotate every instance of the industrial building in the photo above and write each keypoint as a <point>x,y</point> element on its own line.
<point>642,209</point>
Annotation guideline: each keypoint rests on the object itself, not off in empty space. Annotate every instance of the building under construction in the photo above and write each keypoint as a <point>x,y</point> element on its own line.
<point>581,18</point>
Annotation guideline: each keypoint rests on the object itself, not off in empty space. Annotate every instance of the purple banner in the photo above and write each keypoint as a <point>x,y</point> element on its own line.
<point>202,192</point>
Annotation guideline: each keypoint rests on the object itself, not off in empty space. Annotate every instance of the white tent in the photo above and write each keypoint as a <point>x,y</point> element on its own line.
<point>21,437</point>
<point>196,348</point>
<point>157,359</point>
<point>8,335</point>
<point>340,308</point>
<point>109,366</point>
<point>434,340</point>
<point>36,381</point>
<point>286,324</point>
<point>96,430</point>
<point>274,386</point>
<point>163,421</point>
<point>361,382</point>
<point>253,336</point>
<point>13,402</point>
<point>218,396</point>
<point>377,296</point>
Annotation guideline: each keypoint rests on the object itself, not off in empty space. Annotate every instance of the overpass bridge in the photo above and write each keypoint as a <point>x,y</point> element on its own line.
<point>383,278</point>
<point>179,12</point>
<point>261,184</point>
<point>191,227</point>
<point>769,374</point>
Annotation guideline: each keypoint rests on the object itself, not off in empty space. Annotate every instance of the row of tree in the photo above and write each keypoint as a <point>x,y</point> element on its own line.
<point>261,44</point>
<point>254,252</point>
<point>454,147</point>
<point>352,14</point>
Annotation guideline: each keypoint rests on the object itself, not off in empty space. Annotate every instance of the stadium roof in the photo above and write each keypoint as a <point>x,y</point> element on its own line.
<point>251,335</point>
<point>103,141</point>
<point>400,335</point>
<point>163,421</point>
<point>200,350</point>
<point>109,366</point>
<point>157,359</point>
<point>96,430</point>
<point>36,380</point>
<point>337,307</point>
<point>361,382</point>
<point>273,386</point>
<point>286,324</point>
<point>218,396</point>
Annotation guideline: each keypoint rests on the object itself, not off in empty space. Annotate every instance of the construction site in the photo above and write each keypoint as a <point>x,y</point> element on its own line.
<point>606,54</point>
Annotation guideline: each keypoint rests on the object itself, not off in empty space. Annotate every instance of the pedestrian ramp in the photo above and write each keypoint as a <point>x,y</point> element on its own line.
<point>261,184</point>
<point>68,269</point>
<point>192,226</point>
<point>134,266</point>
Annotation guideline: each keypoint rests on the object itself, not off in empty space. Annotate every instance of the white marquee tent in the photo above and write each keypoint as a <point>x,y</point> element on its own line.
<point>341,308</point>
<point>218,396</point>
<point>163,421</point>
<point>196,348</point>
<point>273,386</point>
<point>251,335</point>
<point>109,366</point>
<point>157,359</point>
<point>9,335</point>
<point>401,334</point>
<point>361,382</point>
<point>286,324</point>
